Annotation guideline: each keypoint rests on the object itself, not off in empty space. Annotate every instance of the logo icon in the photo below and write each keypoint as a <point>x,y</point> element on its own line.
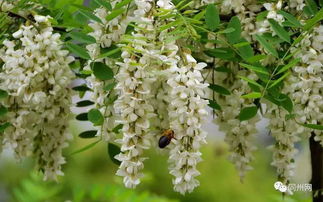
<point>280,186</point>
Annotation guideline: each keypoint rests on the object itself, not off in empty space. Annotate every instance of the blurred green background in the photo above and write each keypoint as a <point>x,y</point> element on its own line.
<point>90,176</point>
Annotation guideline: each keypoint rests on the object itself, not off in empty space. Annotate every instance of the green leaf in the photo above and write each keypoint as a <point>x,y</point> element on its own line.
<point>289,65</point>
<point>95,116</point>
<point>245,51</point>
<point>81,7</point>
<point>247,113</point>
<point>256,58</point>
<point>78,50</point>
<point>214,105</point>
<point>268,47</point>
<point>81,37</point>
<point>82,117</point>
<point>110,100</point>
<point>88,134</point>
<point>222,69</point>
<point>262,16</point>
<point>250,81</point>
<point>81,88</point>
<point>3,94</point>
<point>307,11</point>
<point>116,52</point>
<point>86,147</point>
<point>102,71</point>
<point>290,116</point>
<point>235,36</point>
<point>252,95</point>
<point>286,102</point>
<point>122,3</point>
<point>114,150</point>
<point>279,30</point>
<point>311,6</point>
<point>84,103</point>
<point>117,128</point>
<point>114,14</point>
<point>290,18</point>
<point>313,126</point>
<point>225,31</point>
<point>312,22</point>
<point>259,69</point>
<point>4,126</point>
<point>104,3</point>
<point>241,44</point>
<point>279,80</point>
<point>212,17</point>
<point>222,53</point>
<point>219,89</point>
<point>90,16</point>
<point>110,86</point>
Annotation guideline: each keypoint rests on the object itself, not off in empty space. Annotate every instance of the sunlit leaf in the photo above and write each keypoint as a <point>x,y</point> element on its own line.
<point>268,47</point>
<point>313,126</point>
<point>276,82</point>
<point>259,69</point>
<point>289,65</point>
<point>252,95</point>
<point>311,22</point>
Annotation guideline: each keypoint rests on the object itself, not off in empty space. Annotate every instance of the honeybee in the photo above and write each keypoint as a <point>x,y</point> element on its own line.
<point>166,137</point>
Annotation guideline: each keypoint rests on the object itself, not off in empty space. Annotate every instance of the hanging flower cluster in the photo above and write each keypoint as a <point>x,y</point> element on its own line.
<point>134,85</point>
<point>186,113</point>
<point>106,35</point>
<point>152,68</point>
<point>306,87</point>
<point>238,133</point>
<point>36,75</point>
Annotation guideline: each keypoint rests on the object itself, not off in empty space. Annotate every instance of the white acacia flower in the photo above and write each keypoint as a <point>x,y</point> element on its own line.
<point>134,89</point>
<point>186,113</point>
<point>286,134</point>
<point>305,84</point>
<point>36,75</point>
<point>238,133</point>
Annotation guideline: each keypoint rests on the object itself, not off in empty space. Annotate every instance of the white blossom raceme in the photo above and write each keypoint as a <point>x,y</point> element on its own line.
<point>106,34</point>
<point>238,133</point>
<point>305,85</point>
<point>186,114</point>
<point>285,133</point>
<point>134,86</point>
<point>36,75</point>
